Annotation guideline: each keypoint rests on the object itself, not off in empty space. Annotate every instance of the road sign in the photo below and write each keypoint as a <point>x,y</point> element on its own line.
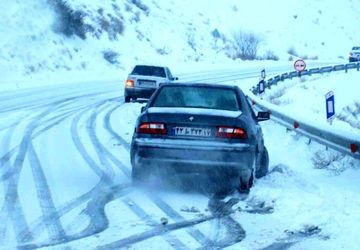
<point>330,106</point>
<point>299,65</point>
<point>261,87</point>
<point>262,75</point>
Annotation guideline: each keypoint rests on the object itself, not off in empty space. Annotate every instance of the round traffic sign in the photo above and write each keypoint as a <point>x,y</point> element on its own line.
<point>299,65</point>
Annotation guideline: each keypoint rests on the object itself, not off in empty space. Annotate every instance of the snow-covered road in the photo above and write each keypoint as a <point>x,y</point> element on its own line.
<point>65,182</point>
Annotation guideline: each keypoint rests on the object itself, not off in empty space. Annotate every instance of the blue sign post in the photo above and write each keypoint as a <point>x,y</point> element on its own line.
<point>261,87</point>
<point>330,106</point>
<point>262,74</point>
<point>261,84</point>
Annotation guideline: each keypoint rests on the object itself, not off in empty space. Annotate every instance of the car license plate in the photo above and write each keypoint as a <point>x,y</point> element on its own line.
<point>147,84</point>
<point>205,132</point>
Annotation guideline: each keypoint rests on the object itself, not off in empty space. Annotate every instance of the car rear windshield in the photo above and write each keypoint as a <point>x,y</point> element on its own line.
<point>148,71</point>
<point>356,48</point>
<point>197,97</point>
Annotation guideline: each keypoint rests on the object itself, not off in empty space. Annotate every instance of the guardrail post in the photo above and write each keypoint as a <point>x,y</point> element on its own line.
<point>358,66</point>
<point>346,69</point>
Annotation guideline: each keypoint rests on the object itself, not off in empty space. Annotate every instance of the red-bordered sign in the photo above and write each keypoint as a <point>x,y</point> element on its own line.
<point>299,65</point>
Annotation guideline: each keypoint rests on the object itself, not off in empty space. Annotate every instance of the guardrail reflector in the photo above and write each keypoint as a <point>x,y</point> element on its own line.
<point>296,125</point>
<point>353,148</point>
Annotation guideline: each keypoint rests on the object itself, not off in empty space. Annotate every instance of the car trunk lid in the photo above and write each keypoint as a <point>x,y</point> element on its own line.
<point>193,122</point>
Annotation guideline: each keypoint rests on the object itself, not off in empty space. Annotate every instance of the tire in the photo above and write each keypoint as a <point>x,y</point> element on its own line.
<point>263,168</point>
<point>127,98</point>
<point>246,184</point>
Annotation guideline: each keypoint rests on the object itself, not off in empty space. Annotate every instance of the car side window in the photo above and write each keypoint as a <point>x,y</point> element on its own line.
<point>168,72</point>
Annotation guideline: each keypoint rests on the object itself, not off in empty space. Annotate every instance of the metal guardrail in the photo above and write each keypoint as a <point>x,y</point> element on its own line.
<point>309,72</point>
<point>345,142</point>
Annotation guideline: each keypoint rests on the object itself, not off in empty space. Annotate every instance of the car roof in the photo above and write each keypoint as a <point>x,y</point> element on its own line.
<point>148,65</point>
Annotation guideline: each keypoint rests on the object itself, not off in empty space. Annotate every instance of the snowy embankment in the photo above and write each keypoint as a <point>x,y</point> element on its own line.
<point>304,99</point>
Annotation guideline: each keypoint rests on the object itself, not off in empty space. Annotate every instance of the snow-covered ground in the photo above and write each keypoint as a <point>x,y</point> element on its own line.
<point>65,129</point>
<point>309,94</point>
<point>66,182</point>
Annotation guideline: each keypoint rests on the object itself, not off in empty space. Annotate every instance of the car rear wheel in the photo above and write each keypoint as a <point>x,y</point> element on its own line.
<point>127,98</point>
<point>246,183</point>
<point>263,167</point>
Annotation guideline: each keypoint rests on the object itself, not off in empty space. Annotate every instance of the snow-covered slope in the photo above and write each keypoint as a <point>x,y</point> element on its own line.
<point>40,39</point>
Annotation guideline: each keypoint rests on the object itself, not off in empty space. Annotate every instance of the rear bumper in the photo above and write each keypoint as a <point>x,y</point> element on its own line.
<point>139,92</point>
<point>185,156</point>
<point>354,58</point>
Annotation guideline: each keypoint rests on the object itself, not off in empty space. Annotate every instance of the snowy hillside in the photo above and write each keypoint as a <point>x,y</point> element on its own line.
<point>91,38</point>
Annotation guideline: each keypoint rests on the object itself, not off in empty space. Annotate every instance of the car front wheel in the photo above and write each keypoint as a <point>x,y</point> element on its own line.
<point>127,98</point>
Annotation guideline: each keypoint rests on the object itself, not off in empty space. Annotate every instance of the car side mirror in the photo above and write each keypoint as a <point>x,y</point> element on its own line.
<point>263,116</point>
<point>143,108</point>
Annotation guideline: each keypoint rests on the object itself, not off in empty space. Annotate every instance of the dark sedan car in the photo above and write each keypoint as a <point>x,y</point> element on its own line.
<point>200,128</point>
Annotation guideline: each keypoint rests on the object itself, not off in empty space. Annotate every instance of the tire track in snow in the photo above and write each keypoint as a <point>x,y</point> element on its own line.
<point>12,205</point>
<point>91,197</point>
<point>12,202</point>
<point>161,230</point>
<point>84,153</point>
<point>100,150</point>
<point>5,144</point>
<point>14,209</point>
<point>49,211</point>
<point>6,157</point>
<point>172,240</point>
<point>95,197</point>
<point>108,126</point>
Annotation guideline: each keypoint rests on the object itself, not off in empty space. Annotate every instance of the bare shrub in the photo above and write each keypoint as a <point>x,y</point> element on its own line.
<point>292,51</point>
<point>191,41</point>
<point>351,115</point>
<point>246,45</point>
<point>141,6</point>
<point>330,160</point>
<point>111,56</point>
<point>69,22</point>
<point>305,57</point>
<point>163,51</point>
<point>270,55</point>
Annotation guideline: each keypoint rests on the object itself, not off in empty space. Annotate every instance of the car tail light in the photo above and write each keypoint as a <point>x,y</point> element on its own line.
<point>231,132</point>
<point>129,83</point>
<point>152,128</point>
<point>350,54</point>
